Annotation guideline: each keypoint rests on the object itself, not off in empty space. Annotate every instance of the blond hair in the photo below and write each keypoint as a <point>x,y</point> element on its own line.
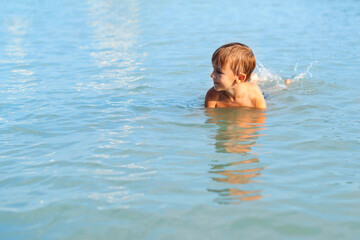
<point>239,57</point>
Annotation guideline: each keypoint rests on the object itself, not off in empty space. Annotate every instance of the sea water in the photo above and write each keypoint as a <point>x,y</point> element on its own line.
<point>103,133</point>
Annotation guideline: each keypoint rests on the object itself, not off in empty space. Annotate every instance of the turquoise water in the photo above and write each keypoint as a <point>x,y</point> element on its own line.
<point>103,133</point>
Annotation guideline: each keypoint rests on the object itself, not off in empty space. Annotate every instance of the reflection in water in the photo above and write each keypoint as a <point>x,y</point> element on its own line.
<point>237,132</point>
<point>21,80</point>
<point>115,33</point>
<point>116,36</point>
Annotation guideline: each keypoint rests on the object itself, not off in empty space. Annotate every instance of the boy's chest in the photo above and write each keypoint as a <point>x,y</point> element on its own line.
<point>229,104</point>
<point>223,102</point>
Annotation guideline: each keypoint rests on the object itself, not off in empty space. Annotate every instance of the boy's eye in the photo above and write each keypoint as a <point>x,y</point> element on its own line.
<point>218,71</point>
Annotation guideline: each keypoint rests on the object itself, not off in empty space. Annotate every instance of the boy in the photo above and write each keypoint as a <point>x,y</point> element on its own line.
<point>233,64</point>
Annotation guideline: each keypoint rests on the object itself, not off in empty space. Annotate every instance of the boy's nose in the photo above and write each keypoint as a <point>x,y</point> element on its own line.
<point>212,75</point>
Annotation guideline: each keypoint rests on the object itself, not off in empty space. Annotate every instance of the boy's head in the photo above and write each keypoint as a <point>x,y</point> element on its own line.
<point>240,58</point>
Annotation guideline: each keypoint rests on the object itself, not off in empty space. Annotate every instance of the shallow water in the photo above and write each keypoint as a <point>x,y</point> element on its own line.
<point>104,135</point>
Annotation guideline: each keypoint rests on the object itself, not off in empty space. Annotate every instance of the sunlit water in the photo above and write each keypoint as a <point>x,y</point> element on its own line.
<point>104,136</point>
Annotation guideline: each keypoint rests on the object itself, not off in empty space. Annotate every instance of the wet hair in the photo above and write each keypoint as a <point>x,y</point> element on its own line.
<point>238,55</point>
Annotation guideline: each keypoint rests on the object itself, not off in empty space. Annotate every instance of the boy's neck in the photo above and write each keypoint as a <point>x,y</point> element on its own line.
<point>236,91</point>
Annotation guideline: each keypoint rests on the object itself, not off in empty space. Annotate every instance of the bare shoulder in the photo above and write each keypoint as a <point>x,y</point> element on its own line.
<point>212,96</point>
<point>258,97</point>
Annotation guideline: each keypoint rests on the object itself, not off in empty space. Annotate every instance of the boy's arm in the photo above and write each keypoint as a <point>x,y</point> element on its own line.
<point>210,98</point>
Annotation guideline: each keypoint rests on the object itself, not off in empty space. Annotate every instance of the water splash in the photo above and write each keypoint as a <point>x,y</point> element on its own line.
<point>304,74</point>
<point>274,82</point>
<point>268,80</point>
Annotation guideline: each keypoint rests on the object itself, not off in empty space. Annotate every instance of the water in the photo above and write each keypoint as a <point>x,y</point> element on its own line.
<point>104,135</point>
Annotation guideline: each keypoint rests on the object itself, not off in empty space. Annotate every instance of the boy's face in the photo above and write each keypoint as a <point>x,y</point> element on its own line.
<point>224,78</point>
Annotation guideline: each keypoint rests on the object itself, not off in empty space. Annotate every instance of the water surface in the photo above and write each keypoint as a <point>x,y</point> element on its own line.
<point>104,135</point>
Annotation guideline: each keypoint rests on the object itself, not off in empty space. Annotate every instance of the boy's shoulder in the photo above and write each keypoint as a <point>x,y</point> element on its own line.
<point>255,89</point>
<point>212,93</point>
<point>211,97</point>
<point>257,96</point>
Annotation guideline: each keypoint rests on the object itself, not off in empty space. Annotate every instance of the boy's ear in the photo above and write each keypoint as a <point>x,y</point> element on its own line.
<point>241,78</point>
